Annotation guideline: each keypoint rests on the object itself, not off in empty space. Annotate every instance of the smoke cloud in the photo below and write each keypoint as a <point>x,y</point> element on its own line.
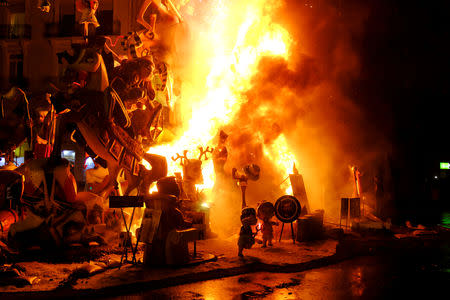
<point>312,99</point>
<point>309,99</point>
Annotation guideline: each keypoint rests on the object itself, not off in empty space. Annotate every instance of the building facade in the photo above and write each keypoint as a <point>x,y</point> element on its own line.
<point>30,37</point>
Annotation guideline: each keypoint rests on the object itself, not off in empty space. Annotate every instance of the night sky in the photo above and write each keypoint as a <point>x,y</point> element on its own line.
<point>400,86</point>
<point>404,85</point>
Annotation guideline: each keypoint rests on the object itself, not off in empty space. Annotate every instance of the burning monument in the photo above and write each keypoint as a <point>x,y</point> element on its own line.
<point>134,102</point>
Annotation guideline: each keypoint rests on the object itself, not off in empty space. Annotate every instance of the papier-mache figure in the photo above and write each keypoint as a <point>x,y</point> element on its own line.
<point>165,10</point>
<point>246,235</point>
<point>220,154</point>
<point>265,212</point>
<point>88,8</point>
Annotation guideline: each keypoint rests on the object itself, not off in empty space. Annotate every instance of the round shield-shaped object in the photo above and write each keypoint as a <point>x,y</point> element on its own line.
<point>287,209</point>
<point>265,210</point>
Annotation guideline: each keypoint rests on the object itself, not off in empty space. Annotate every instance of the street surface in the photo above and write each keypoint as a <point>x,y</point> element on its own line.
<point>402,274</point>
<point>409,276</point>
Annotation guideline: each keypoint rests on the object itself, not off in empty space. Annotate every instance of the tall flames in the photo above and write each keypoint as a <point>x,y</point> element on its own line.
<point>228,39</point>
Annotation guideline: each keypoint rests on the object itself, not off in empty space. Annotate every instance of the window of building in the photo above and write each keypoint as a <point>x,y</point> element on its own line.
<point>16,68</point>
<point>69,155</point>
<point>18,161</point>
<point>17,28</point>
<point>67,21</point>
<point>105,17</point>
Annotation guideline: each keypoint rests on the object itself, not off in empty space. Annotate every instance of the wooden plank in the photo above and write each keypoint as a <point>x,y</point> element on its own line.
<point>298,188</point>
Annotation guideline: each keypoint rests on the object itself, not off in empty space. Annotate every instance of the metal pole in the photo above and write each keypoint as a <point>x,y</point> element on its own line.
<point>244,204</point>
<point>292,231</point>
<point>281,233</point>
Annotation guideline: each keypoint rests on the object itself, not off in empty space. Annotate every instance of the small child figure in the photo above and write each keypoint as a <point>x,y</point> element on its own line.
<point>246,235</point>
<point>265,212</point>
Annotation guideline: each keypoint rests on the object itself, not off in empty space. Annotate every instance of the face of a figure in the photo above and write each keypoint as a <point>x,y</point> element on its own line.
<point>146,69</point>
<point>157,83</point>
<point>48,97</point>
<point>250,220</point>
<point>94,5</point>
<point>158,86</point>
<point>42,115</point>
<point>193,171</point>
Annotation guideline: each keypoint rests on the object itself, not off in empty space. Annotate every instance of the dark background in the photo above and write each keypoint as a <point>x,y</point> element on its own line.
<point>401,87</point>
<point>405,75</point>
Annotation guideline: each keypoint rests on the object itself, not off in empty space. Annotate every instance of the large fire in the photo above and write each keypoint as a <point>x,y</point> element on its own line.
<point>230,38</point>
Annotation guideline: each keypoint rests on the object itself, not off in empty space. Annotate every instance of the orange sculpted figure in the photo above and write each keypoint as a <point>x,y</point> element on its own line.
<point>265,212</point>
<point>88,8</point>
<point>246,235</point>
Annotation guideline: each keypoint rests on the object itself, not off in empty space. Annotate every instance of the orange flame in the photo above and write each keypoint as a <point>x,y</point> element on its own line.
<point>227,48</point>
<point>284,159</point>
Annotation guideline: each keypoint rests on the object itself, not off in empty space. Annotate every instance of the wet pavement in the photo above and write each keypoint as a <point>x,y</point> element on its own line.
<point>420,272</point>
<point>367,267</point>
<point>370,277</point>
<point>57,280</point>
